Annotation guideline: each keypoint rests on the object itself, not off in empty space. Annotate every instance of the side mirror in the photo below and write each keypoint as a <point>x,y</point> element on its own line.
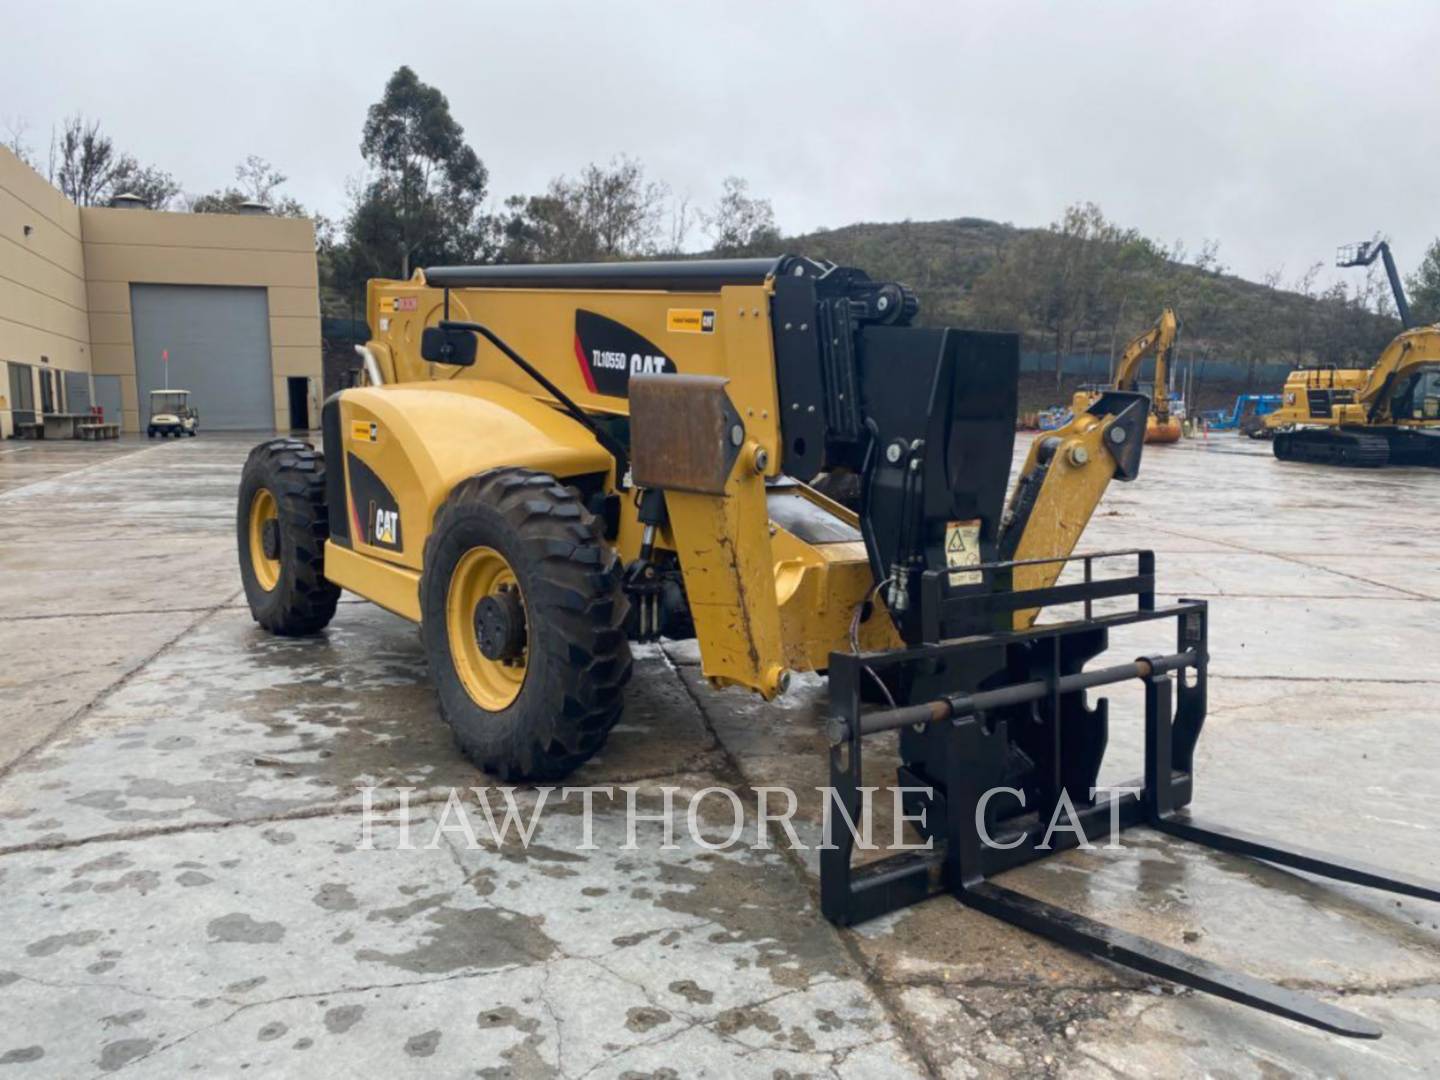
<point>444,346</point>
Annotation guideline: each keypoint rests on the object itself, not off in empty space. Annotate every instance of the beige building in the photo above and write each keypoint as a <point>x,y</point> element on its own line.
<point>99,306</point>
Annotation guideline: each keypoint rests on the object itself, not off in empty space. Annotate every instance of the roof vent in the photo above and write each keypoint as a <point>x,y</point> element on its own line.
<point>252,207</point>
<point>128,200</point>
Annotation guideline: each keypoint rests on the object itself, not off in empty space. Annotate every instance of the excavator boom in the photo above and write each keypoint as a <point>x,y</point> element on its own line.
<point>1157,341</point>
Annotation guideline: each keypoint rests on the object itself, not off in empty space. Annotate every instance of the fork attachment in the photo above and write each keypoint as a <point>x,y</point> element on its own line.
<point>999,745</point>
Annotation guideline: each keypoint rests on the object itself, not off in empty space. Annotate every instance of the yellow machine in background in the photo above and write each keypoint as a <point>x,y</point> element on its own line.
<point>1367,417</point>
<point>1157,341</point>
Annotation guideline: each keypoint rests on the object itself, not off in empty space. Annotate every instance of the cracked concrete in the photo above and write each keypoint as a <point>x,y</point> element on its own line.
<point>186,882</point>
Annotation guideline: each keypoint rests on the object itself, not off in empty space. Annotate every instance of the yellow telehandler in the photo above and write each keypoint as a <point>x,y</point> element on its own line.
<point>550,462</point>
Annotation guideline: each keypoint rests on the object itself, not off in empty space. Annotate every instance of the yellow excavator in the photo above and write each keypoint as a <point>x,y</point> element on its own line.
<point>1161,426</point>
<point>550,462</point>
<point>1388,414</point>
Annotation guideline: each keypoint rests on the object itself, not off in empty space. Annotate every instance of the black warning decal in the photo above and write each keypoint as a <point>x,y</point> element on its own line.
<point>610,352</point>
<point>373,509</point>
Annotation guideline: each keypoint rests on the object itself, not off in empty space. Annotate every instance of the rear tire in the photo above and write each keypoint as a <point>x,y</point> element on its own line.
<point>282,505</point>
<point>536,536</point>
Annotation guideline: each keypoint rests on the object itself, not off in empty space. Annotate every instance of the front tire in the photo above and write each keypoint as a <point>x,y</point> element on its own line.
<point>281,528</point>
<point>523,623</point>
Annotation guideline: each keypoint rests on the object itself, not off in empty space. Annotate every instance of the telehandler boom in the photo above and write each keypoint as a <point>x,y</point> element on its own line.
<point>555,461</point>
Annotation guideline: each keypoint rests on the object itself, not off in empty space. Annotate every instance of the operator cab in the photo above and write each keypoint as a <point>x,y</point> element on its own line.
<point>1418,397</point>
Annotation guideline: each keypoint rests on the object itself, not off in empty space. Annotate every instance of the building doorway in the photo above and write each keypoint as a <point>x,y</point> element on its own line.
<point>49,397</point>
<point>299,391</point>
<point>22,393</point>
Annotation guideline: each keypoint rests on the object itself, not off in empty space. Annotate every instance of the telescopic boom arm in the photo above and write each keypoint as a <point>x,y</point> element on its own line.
<point>1364,254</point>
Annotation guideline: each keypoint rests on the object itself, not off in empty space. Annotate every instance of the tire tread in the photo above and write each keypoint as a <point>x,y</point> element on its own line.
<point>578,590</point>
<point>304,600</point>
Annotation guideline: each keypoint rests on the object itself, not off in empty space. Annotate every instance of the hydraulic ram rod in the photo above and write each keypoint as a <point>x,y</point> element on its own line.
<point>957,705</point>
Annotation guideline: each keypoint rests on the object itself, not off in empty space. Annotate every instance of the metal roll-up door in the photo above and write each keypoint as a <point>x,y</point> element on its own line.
<point>217,340</point>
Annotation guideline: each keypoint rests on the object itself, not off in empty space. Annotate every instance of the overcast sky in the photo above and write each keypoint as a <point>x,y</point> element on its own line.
<point>1279,129</point>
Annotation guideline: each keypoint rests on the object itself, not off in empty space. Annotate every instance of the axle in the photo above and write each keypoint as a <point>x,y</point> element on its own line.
<point>956,706</point>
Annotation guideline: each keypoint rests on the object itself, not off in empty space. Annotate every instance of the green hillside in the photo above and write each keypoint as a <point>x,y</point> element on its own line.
<point>1085,286</point>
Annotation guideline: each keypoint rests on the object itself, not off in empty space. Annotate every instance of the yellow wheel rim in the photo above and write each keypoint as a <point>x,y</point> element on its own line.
<point>491,684</point>
<point>263,510</point>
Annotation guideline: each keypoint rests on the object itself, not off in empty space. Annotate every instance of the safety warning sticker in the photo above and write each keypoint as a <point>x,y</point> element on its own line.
<point>962,548</point>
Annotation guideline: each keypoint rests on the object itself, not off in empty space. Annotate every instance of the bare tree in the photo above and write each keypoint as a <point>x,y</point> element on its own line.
<point>88,170</point>
<point>84,161</point>
<point>257,181</point>
<point>682,218</point>
<point>620,206</point>
<point>15,129</point>
<point>607,212</point>
<point>1302,325</point>
<point>1209,258</point>
<point>740,223</point>
<point>258,178</point>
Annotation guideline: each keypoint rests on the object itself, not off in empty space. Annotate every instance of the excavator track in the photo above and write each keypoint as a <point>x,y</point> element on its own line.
<point>1330,447</point>
<point>1415,447</point>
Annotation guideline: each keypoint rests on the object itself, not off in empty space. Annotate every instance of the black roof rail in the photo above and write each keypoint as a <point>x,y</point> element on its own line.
<point>673,275</point>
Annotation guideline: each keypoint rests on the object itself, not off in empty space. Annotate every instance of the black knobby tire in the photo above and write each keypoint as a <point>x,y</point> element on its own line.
<point>577,657</point>
<point>302,601</point>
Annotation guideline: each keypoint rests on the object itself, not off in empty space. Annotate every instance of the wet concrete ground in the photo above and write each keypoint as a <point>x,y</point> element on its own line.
<point>186,887</point>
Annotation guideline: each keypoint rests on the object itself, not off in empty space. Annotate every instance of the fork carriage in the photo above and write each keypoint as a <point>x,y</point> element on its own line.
<point>1033,733</point>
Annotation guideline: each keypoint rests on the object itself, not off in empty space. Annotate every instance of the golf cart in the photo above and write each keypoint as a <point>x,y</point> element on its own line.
<point>171,414</point>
